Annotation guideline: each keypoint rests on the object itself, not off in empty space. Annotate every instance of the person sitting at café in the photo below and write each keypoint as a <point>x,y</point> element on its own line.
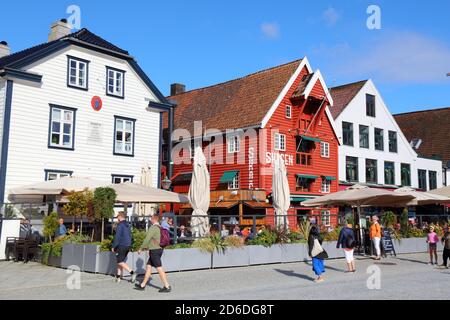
<point>224,232</point>
<point>62,230</point>
<point>183,233</point>
<point>237,231</point>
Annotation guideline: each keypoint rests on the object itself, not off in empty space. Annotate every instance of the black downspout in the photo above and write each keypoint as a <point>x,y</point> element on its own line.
<point>170,143</point>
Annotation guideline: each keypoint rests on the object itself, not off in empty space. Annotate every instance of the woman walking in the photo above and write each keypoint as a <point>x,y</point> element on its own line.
<point>317,253</point>
<point>375,236</point>
<point>347,242</point>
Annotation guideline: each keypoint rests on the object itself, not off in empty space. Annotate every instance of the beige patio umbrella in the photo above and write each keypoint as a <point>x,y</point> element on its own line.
<point>199,195</point>
<point>58,186</point>
<point>146,209</point>
<point>133,192</point>
<point>422,198</point>
<point>280,192</point>
<point>445,191</point>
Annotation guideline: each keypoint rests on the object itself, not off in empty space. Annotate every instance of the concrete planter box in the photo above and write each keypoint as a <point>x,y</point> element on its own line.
<point>231,257</point>
<point>90,257</point>
<point>105,262</point>
<point>54,261</point>
<point>294,252</point>
<point>185,259</point>
<point>264,255</point>
<point>412,245</point>
<point>333,252</point>
<point>73,256</point>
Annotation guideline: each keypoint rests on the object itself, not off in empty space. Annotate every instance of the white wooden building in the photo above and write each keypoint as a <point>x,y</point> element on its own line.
<point>76,105</point>
<point>374,150</point>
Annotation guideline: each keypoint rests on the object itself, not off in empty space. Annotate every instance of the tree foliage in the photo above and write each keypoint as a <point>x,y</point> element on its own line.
<point>103,205</point>
<point>51,225</point>
<point>79,205</point>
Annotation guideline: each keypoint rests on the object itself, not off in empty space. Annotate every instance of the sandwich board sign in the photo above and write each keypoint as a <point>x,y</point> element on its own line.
<point>388,244</point>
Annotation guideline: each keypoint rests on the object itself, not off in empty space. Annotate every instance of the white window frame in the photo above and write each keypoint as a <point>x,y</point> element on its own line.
<point>59,175</point>
<point>326,218</point>
<point>279,142</point>
<point>288,111</point>
<point>234,144</point>
<point>118,82</point>
<point>78,73</point>
<point>326,186</point>
<point>234,185</point>
<point>121,178</point>
<point>62,120</point>
<point>324,149</point>
<point>122,149</point>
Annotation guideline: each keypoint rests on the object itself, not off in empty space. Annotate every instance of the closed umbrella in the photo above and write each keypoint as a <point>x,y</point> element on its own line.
<point>199,194</point>
<point>422,198</point>
<point>280,192</point>
<point>146,209</point>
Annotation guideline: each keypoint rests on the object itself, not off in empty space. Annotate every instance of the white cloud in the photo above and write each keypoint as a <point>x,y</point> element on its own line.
<point>270,30</point>
<point>331,16</point>
<point>396,57</point>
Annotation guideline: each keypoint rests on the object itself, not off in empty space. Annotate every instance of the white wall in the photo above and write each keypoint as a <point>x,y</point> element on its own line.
<point>2,110</point>
<point>355,113</point>
<point>29,154</point>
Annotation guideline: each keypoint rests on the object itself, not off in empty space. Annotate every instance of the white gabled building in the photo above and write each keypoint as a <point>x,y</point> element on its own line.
<point>76,105</point>
<point>373,149</point>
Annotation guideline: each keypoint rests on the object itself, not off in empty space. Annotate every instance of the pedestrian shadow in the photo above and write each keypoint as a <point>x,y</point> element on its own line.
<point>291,273</point>
<point>309,263</point>
<point>412,260</point>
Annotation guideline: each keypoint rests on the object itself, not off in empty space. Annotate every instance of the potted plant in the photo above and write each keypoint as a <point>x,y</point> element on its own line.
<point>78,206</point>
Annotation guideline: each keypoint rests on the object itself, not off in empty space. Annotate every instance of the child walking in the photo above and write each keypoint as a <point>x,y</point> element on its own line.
<point>432,241</point>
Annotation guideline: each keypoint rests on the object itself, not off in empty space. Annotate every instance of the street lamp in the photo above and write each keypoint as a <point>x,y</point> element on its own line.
<point>166,183</point>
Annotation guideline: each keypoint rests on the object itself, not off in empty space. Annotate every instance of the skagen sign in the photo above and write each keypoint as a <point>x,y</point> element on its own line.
<point>271,157</point>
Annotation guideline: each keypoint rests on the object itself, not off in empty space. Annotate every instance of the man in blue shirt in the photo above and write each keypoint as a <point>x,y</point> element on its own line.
<point>121,246</point>
<point>62,230</point>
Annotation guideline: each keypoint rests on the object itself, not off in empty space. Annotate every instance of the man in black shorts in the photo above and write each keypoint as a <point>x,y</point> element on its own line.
<point>121,246</point>
<point>152,243</point>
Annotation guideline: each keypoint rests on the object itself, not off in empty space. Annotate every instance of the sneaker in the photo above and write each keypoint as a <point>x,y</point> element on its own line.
<point>319,280</point>
<point>165,289</point>
<point>137,286</point>
<point>117,279</point>
<point>133,277</point>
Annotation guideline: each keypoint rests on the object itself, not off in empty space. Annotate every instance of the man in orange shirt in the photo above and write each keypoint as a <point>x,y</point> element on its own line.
<point>375,236</point>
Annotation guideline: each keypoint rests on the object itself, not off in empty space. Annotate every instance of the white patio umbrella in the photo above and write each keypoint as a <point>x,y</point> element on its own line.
<point>146,209</point>
<point>199,194</point>
<point>281,195</point>
<point>134,193</point>
<point>422,198</point>
<point>445,191</point>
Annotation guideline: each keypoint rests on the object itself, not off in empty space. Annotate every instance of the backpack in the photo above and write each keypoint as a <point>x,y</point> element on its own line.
<point>164,240</point>
<point>350,242</point>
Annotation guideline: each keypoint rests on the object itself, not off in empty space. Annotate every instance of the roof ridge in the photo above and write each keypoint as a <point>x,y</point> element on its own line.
<point>240,78</point>
<point>349,84</point>
<point>419,111</point>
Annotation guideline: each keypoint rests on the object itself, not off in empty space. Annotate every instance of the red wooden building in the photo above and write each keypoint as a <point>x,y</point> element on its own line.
<point>278,112</point>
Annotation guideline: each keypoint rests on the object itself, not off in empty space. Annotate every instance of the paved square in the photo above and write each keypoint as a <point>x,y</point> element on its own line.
<point>404,277</point>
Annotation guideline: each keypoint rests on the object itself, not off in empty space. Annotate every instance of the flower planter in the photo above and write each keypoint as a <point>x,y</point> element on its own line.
<point>412,245</point>
<point>185,259</point>
<point>72,256</point>
<point>105,263</point>
<point>54,261</point>
<point>90,257</point>
<point>333,252</point>
<point>264,255</point>
<point>294,252</point>
<point>231,257</point>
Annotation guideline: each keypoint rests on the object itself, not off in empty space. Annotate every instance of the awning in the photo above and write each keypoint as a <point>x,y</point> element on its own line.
<point>299,198</point>
<point>329,178</point>
<point>223,204</point>
<point>228,176</point>
<point>306,176</point>
<point>258,205</point>
<point>182,178</point>
<point>310,138</point>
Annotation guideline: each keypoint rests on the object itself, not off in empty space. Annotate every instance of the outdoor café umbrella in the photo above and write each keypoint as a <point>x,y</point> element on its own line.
<point>133,192</point>
<point>445,191</point>
<point>280,192</point>
<point>58,186</point>
<point>199,194</point>
<point>422,198</point>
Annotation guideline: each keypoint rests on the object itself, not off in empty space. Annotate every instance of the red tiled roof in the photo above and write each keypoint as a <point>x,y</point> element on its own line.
<point>234,104</point>
<point>302,86</point>
<point>432,127</point>
<point>342,95</point>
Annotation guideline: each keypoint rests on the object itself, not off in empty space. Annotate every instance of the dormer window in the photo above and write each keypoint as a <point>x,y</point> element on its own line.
<point>77,73</point>
<point>115,80</point>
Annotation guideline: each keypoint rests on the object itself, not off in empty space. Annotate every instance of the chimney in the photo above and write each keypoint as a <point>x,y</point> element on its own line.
<point>4,49</point>
<point>59,29</point>
<point>177,88</point>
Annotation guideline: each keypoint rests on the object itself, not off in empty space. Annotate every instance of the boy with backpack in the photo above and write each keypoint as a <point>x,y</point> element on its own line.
<point>155,240</point>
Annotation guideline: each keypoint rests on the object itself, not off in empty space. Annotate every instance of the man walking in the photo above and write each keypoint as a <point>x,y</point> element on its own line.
<point>446,243</point>
<point>121,246</point>
<point>152,242</point>
<point>375,236</point>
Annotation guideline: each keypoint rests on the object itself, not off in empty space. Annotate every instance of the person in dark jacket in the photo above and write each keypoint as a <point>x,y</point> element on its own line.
<point>347,242</point>
<point>121,246</point>
<point>318,259</point>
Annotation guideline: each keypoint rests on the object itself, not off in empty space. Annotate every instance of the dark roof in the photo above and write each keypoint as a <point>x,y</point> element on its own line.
<point>238,103</point>
<point>302,86</point>
<point>342,95</point>
<point>83,35</point>
<point>432,127</point>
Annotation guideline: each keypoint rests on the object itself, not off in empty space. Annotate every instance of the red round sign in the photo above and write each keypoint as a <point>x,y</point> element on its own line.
<point>96,103</point>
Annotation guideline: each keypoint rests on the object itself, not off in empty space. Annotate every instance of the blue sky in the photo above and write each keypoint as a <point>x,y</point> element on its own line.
<point>201,42</point>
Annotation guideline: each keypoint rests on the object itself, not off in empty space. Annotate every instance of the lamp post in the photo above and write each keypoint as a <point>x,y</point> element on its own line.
<point>166,183</point>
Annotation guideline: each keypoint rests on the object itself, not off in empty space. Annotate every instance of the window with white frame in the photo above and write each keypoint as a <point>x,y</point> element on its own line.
<point>324,149</point>
<point>280,142</point>
<point>326,185</point>
<point>124,136</point>
<point>288,111</point>
<point>116,179</point>
<point>77,73</point>
<point>326,218</point>
<point>115,82</point>
<point>62,122</point>
<point>53,175</point>
<point>234,184</point>
<point>234,144</point>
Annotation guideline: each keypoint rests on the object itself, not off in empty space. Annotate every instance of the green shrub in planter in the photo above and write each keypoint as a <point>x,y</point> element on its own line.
<point>137,238</point>
<point>179,246</point>
<point>233,241</point>
<point>210,244</point>
<point>266,238</point>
